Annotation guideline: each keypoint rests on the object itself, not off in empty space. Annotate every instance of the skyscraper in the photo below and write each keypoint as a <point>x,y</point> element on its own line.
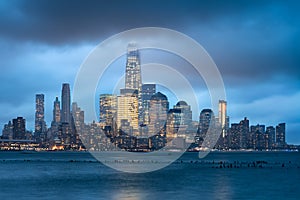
<point>159,106</point>
<point>234,135</point>
<point>257,135</point>
<point>127,115</point>
<point>19,128</point>
<point>133,78</point>
<point>66,103</point>
<point>238,135</point>
<point>56,111</point>
<point>173,123</point>
<point>206,119</point>
<point>185,113</point>
<point>223,119</point>
<point>148,90</point>
<point>40,124</point>
<point>270,137</point>
<point>108,109</point>
<point>244,133</point>
<point>78,118</point>
<point>280,135</point>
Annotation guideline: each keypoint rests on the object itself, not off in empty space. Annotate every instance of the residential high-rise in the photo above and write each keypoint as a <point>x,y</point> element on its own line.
<point>257,135</point>
<point>108,109</point>
<point>19,128</point>
<point>40,124</point>
<point>56,111</point>
<point>66,103</point>
<point>78,118</point>
<point>223,119</point>
<point>270,137</point>
<point>244,133</point>
<point>280,135</point>
<point>234,136</point>
<point>238,135</point>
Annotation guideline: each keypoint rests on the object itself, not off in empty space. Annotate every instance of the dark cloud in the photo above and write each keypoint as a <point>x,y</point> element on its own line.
<point>64,21</point>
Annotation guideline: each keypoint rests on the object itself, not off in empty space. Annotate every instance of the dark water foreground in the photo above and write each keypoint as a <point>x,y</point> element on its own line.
<point>220,175</point>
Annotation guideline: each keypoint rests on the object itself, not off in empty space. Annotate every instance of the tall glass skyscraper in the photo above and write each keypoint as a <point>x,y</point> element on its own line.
<point>133,79</point>
<point>148,90</point>
<point>56,111</point>
<point>66,103</point>
<point>206,120</point>
<point>159,106</point>
<point>223,119</point>
<point>40,124</point>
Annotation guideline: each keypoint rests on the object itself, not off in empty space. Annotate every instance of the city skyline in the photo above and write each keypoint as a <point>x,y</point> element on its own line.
<point>254,44</point>
<point>138,118</point>
<point>242,135</point>
<point>139,105</point>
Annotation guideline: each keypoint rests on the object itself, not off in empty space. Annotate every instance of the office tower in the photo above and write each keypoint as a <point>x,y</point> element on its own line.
<point>173,123</point>
<point>56,111</point>
<point>244,133</point>
<point>19,128</point>
<point>108,109</point>
<point>270,137</point>
<point>185,113</point>
<point>40,124</point>
<point>148,90</point>
<point>133,77</point>
<point>159,106</point>
<point>206,119</point>
<point>223,119</point>
<point>127,113</point>
<point>66,103</point>
<point>280,135</point>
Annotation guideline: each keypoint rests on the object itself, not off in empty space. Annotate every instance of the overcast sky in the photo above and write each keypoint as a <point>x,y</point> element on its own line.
<point>255,44</point>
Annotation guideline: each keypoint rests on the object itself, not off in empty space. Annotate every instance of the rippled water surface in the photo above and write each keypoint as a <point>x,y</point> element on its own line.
<point>220,175</point>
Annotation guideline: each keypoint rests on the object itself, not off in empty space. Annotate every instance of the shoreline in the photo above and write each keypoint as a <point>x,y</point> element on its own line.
<point>168,151</point>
